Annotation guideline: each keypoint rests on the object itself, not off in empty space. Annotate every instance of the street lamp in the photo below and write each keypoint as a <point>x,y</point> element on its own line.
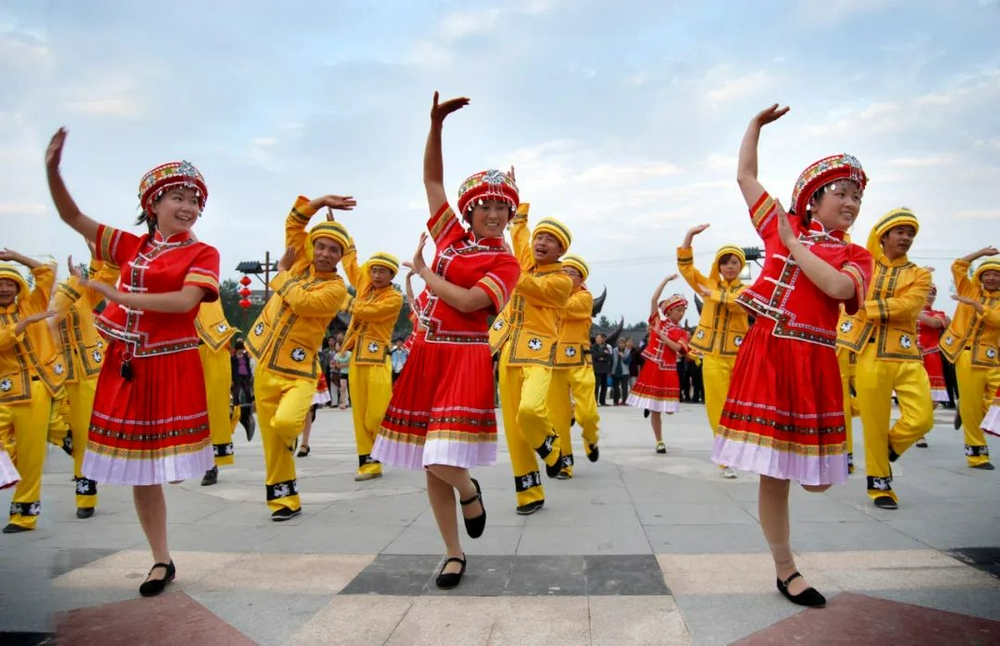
<point>256,268</point>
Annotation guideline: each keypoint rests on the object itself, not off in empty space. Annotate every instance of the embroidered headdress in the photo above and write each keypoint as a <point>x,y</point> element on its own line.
<point>670,303</point>
<point>820,173</point>
<point>383,259</point>
<point>166,176</point>
<point>577,263</point>
<point>986,265</point>
<point>726,250</point>
<point>328,229</point>
<point>487,185</point>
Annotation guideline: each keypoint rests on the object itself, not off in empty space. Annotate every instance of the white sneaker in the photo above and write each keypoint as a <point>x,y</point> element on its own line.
<point>729,473</point>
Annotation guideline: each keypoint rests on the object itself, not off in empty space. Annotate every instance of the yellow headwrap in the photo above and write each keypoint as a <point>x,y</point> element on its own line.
<point>383,259</point>
<point>10,272</point>
<point>724,250</point>
<point>577,263</point>
<point>977,276</point>
<point>333,230</point>
<point>891,220</point>
<point>557,229</point>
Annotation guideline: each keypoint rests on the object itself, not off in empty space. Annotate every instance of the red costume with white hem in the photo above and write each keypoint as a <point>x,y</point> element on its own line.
<point>149,426</point>
<point>450,421</point>
<point>776,422</point>
<point>658,386</point>
<point>929,339</point>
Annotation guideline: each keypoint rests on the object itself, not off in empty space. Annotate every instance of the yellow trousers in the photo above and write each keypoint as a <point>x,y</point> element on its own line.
<point>282,406</point>
<point>579,382</point>
<point>847,361</point>
<point>370,390</point>
<point>25,425</point>
<point>976,389</point>
<point>59,419</point>
<point>875,381</point>
<point>81,405</point>
<point>527,425</point>
<point>218,386</point>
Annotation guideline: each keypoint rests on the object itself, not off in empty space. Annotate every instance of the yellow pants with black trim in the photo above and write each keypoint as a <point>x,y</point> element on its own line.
<point>81,405</point>
<point>282,406</point>
<point>846,360</point>
<point>25,425</point>
<point>875,381</point>
<point>370,389</point>
<point>218,391</point>
<point>59,419</point>
<point>527,425</point>
<point>977,388</point>
<point>578,381</point>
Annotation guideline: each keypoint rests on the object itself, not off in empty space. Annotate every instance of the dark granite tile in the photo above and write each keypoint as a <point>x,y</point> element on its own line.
<point>396,574</point>
<point>859,619</point>
<point>547,576</point>
<point>986,559</point>
<point>637,574</point>
<point>485,576</point>
<point>27,639</point>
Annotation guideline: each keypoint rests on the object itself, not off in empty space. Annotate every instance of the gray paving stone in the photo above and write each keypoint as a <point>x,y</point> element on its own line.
<point>722,619</point>
<point>633,575</point>
<point>547,576</point>
<point>266,618</point>
<point>399,575</point>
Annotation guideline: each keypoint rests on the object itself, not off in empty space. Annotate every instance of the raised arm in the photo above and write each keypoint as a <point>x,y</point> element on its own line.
<point>433,158</point>
<point>520,237</point>
<point>9,255</point>
<point>462,299</point>
<point>746,172</point>
<point>685,261</point>
<point>654,304</point>
<point>67,208</point>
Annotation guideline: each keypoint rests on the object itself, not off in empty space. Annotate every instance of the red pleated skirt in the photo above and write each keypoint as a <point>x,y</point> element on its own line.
<point>441,410</point>
<point>658,389</point>
<point>935,372</point>
<point>152,428</point>
<point>784,415</point>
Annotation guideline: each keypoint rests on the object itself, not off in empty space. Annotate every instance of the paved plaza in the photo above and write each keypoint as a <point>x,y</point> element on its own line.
<point>638,548</point>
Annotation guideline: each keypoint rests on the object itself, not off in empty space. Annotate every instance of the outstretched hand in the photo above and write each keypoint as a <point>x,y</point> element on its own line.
<point>53,154</point>
<point>418,264</point>
<point>33,318</point>
<point>8,255</point>
<point>339,202</point>
<point>669,278</point>
<point>74,270</point>
<point>769,114</point>
<point>441,110</point>
<point>693,231</point>
<point>110,294</point>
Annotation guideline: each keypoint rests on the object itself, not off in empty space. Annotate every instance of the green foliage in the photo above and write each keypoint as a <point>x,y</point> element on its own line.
<point>236,315</point>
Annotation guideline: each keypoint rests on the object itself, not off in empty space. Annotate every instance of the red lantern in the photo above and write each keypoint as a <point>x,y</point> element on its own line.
<point>245,280</point>
<point>245,292</point>
<point>245,303</point>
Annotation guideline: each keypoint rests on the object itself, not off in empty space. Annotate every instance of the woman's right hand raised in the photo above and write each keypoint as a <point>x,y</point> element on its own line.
<point>769,114</point>
<point>441,110</point>
<point>53,154</point>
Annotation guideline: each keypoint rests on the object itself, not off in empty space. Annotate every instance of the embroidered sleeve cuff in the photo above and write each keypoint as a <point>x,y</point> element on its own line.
<point>762,213</point>
<point>494,289</point>
<point>442,224</point>
<point>685,256</point>
<point>302,210</point>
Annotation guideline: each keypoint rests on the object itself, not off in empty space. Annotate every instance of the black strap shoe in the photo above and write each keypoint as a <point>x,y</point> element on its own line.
<point>474,526</point>
<point>153,587</point>
<point>452,579</point>
<point>211,477</point>
<point>84,512</point>
<point>809,597</point>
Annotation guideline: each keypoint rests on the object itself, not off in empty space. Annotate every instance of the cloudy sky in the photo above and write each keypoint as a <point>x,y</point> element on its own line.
<point>623,119</point>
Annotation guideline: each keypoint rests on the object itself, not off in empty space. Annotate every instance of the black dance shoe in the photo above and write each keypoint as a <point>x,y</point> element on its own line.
<point>67,444</point>
<point>886,502</point>
<point>592,453</point>
<point>153,587</point>
<point>211,477</point>
<point>474,526</point>
<point>14,528</point>
<point>285,513</point>
<point>921,443</point>
<point>84,512</point>
<point>530,508</point>
<point>809,597</point>
<point>985,466</point>
<point>452,579</point>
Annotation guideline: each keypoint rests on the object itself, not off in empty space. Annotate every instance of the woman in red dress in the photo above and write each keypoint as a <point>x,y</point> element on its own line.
<point>446,425</point>
<point>930,324</point>
<point>148,425</point>
<point>658,388</point>
<point>784,414</point>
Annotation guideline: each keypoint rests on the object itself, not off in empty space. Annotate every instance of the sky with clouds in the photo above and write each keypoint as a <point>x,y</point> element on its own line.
<point>623,119</point>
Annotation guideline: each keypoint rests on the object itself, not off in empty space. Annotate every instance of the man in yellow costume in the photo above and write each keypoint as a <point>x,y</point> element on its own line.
<point>722,325</point>
<point>972,343</point>
<point>883,334</point>
<point>526,335</point>
<point>31,372</point>
<point>376,308</point>
<point>214,335</point>
<point>285,338</point>
<point>83,355</point>
<point>573,372</point>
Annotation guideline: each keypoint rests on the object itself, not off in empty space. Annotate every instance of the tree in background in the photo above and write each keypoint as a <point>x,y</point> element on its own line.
<point>236,315</point>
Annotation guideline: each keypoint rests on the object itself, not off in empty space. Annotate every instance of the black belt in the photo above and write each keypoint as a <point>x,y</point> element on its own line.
<point>36,378</point>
